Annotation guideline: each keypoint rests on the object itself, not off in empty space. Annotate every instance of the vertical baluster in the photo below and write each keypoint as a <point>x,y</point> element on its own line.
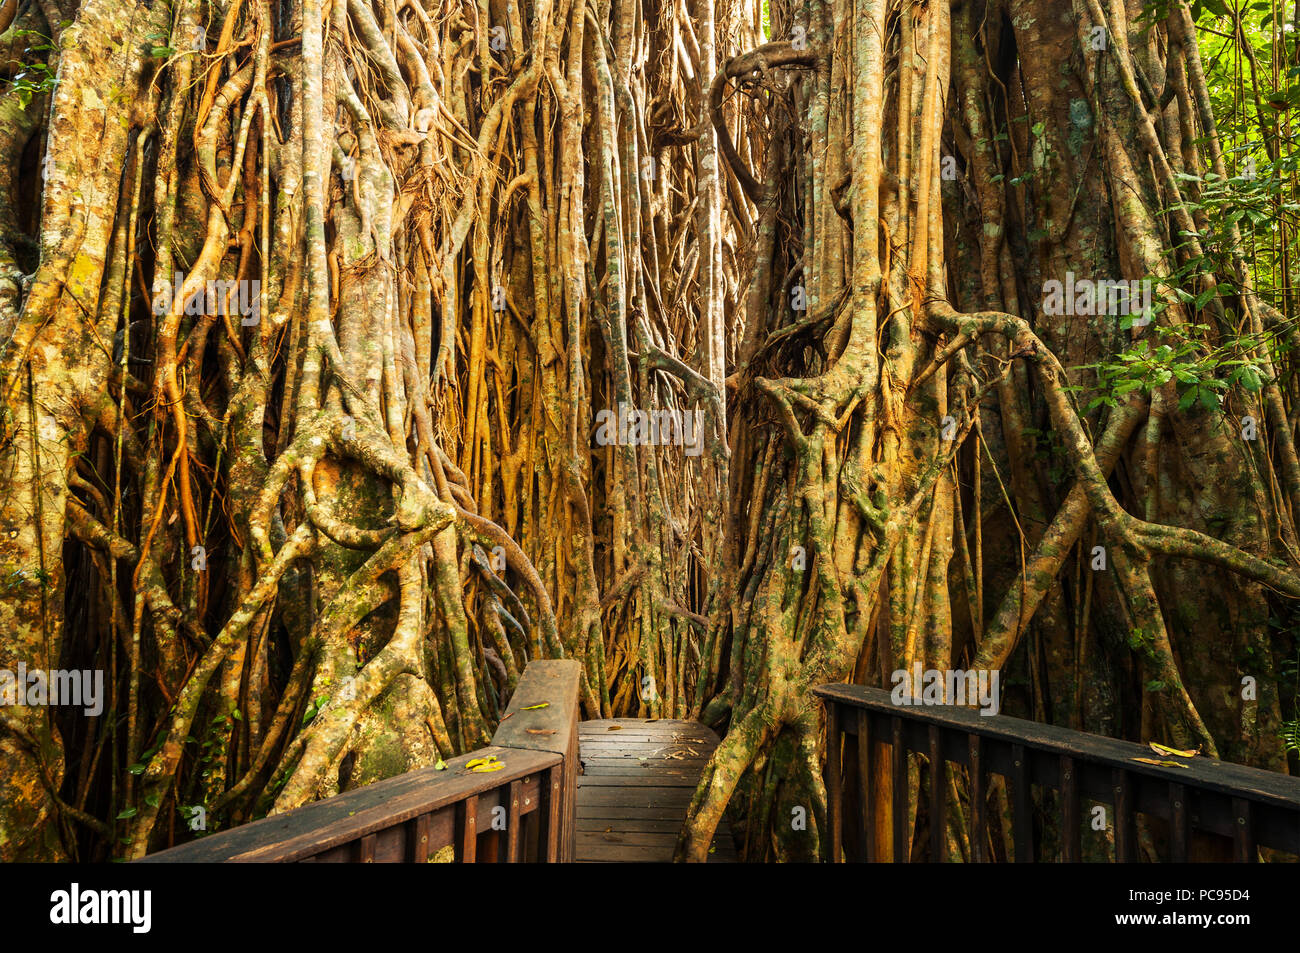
<point>572,768</point>
<point>1125,831</point>
<point>553,801</point>
<point>1178,823</point>
<point>978,800</point>
<point>512,823</point>
<point>366,849</point>
<point>1070,851</point>
<point>468,812</point>
<point>938,793</point>
<point>1022,824</point>
<point>899,811</point>
<point>834,789</point>
<point>1243,832</point>
<point>418,848</point>
<point>867,838</point>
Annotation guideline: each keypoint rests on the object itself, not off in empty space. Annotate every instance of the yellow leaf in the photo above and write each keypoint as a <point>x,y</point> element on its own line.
<point>535,707</point>
<point>477,762</point>
<point>615,727</point>
<point>1162,749</point>
<point>1167,764</point>
<point>490,766</point>
<point>440,766</point>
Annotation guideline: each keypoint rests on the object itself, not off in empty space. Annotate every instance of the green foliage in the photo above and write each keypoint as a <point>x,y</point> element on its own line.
<point>1291,735</point>
<point>1203,374</point>
<point>1216,352</point>
<point>35,78</point>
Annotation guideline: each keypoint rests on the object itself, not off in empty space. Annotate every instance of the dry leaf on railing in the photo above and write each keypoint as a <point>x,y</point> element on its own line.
<point>1163,749</point>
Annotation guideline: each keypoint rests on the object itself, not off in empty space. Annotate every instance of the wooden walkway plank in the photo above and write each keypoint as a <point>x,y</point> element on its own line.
<point>637,782</point>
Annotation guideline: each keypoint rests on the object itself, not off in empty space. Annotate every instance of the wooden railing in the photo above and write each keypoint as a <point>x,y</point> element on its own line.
<point>1201,809</point>
<point>521,812</point>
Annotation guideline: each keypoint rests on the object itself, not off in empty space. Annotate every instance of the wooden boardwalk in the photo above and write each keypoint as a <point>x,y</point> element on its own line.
<point>637,780</point>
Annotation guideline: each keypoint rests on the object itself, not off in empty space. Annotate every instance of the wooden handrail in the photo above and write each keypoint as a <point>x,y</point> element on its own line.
<point>521,812</point>
<point>1200,809</point>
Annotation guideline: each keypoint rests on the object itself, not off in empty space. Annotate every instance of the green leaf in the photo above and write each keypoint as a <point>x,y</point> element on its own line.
<point>127,812</point>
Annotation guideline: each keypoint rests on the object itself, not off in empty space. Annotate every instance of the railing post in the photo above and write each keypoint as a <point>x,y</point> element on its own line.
<point>834,787</point>
<point>978,799</point>
<point>902,847</point>
<point>467,818</point>
<point>1070,842</point>
<point>866,800</point>
<point>1178,823</point>
<point>1125,830</point>
<point>1243,833</point>
<point>1022,824</point>
<point>938,797</point>
<point>512,823</point>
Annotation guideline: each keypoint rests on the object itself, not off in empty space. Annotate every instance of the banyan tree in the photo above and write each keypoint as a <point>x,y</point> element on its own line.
<point>354,353</point>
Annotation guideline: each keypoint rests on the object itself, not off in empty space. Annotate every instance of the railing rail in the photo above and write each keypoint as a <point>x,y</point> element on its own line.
<point>522,812</point>
<point>1201,809</point>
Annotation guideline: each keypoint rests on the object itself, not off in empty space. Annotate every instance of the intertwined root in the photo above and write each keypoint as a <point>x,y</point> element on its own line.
<point>314,503</point>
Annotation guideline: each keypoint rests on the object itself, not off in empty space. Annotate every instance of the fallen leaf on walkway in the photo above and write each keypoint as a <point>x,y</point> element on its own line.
<point>540,731</point>
<point>535,707</point>
<point>490,766</point>
<point>1167,764</point>
<point>615,728</point>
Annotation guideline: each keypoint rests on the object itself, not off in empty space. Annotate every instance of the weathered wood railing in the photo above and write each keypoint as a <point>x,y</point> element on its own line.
<point>1210,809</point>
<point>522,812</point>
